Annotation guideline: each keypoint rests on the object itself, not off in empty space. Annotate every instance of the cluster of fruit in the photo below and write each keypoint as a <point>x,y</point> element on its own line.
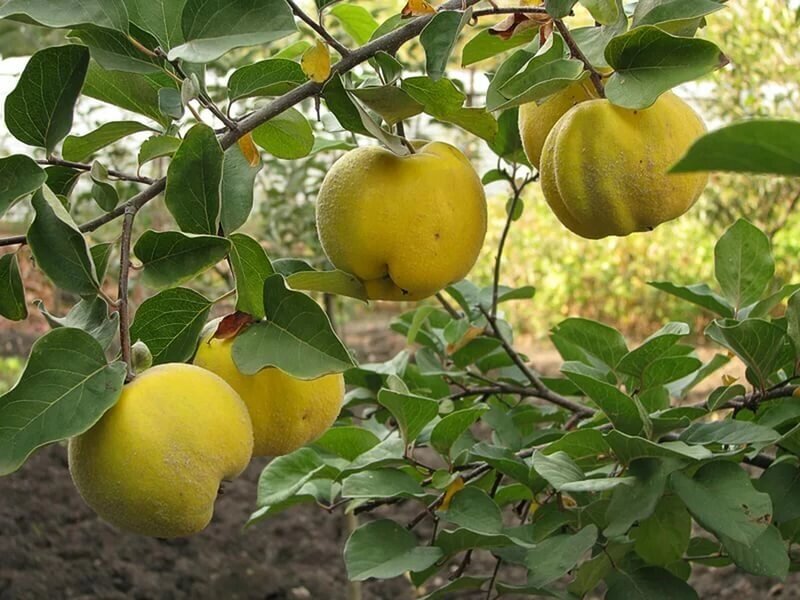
<point>154,462</point>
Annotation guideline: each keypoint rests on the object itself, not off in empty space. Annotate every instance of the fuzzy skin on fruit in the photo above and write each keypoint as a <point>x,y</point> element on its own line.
<point>604,168</point>
<point>154,462</point>
<point>406,226</point>
<point>287,413</point>
<point>536,120</point>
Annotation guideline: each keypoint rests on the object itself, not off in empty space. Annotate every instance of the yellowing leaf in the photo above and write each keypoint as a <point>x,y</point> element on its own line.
<point>452,489</point>
<point>316,62</point>
<point>416,8</point>
<point>729,379</point>
<point>468,336</point>
<point>249,150</point>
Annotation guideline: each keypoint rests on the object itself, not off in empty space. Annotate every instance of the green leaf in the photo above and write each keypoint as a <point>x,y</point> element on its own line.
<point>341,104</point>
<point>439,37</point>
<point>271,77</point>
<point>628,448</point>
<point>663,537</point>
<point>114,51</point>
<point>593,40</point>
<point>558,469</point>
<point>330,282</point>
<point>757,146</point>
<point>157,146</point>
<point>637,501</point>
<point>620,408</point>
<point>296,337</point>
<point>59,248</point>
<point>89,315</point>
<point>763,308</point>
<point>103,192</point>
<point>462,584</point>
<point>649,61</point>
<point>161,18</point>
<point>502,459</point>
<point>763,346</point>
<point>39,109</point>
<point>357,22</point>
<point>729,431</point>
<point>668,369</point>
<point>411,412</point>
<point>209,33</point>
<point>348,441</point>
<point>559,8</point>
<point>722,499</point>
<point>388,453</point>
<point>80,148</point>
<point>381,483</point>
<point>171,257</point>
<point>132,91</point>
<point>604,12</point>
<point>649,583</point>
<point>582,446</point>
<point>485,45</point>
<point>743,263</point>
<point>699,294</point>
<point>392,103</point>
<point>110,14</point>
<point>507,144</point>
<point>793,319</point>
<point>170,324</point>
<point>473,509</point>
<point>65,388</point>
<point>287,135</point>
<point>383,549</point>
<point>238,182</point>
<point>12,292</point>
<point>554,557</point>
<point>782,483</point>
<point>251,267</point>
<point>667,13</point>
<point>445,433</point>
<point>444,101</point>
<point>285,475</point>
<point>654,347</point>
<point>766,556</point>
<point>170,103</point>
<point>596,342</point>
<point>19,176</point>
<point>193,182</point>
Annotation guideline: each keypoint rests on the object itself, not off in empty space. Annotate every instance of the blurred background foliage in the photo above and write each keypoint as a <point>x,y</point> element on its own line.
<point>604,280</point>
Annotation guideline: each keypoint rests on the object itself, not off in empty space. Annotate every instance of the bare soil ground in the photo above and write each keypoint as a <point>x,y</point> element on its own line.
<point>53,546</point>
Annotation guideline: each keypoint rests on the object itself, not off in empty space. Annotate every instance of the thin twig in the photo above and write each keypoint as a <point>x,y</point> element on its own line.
<point>386,43</point>
<point>122,296</point>
<point>501,246</point>
<point>493,580</point>
<point>318,28</point>
<point>597,79</point>
<point>447,306</point>
<point>55,161</point>
<point>533,10</point>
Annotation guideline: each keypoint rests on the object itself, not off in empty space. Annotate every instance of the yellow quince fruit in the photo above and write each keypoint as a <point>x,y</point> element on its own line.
<point>604,168</point>
<point>407,226</point>
<point>287,413</point>
<point>154,462</point>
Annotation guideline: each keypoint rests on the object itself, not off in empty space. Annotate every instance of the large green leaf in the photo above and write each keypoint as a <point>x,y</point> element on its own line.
<point>594,341</point>
<point>485,45</point>
<point>762,345</point>
<point>59,248</point>
<point>171,257</point>
<point>82,147</point>
<point>766,556</point>
<point>251,267</point>
<point>212,28</point>
<point>170,324</point>
<point>649,61</point>
<point>161,18</point>
<point>296,337</point>
<point>782,483</point>
<point>19,176</point>
<point>555,556</point>
<point>743,263</point>
<point>193,182</point>
<point>649,583</point>
<point>132,91</point>
<point>412,413</point>
<point>439,38</point>
<point>65,388</point>
<point>271,77</point>
<point>90,315</point>
<point>384,549</point>
<point>348,441</point>
<point>157,146</point>
<point>757,146</point>
<point>445,433</point>
<point>670,13</point>
<point>663,537</point>
<point>698,293</point>
<point>357,21</point>
<point>238,182</point>
<point>287,135</point>
<point>630,447</point>
<point>637,501</point>
<point>12,292</point>
<point>473,509</point>
<point>110,14</point>
<point>721,497</point>
<point>39,109</point>
<point>285,475</point>
<point>392,103</point>
<point>654,347</point>
<point>618,406</point>
<point>115,51</point>
<point>729,431</point>
<point>381,483</point>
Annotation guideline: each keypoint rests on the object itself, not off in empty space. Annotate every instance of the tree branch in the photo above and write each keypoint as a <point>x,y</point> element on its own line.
<point>55,161</point>
<point>318,28</point>
<point>122,295</point>
<point>387,43</point>
<point>532,10</point>
<point>597,79</point>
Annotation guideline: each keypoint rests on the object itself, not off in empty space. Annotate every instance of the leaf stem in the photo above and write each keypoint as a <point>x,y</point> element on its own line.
<point>597,79</point>
<point>318,28</point>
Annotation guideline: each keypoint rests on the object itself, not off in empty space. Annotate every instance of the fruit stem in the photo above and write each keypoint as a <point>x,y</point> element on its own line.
<point>597,79</point>
<point>122,294</point>
<point>401,132</point>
